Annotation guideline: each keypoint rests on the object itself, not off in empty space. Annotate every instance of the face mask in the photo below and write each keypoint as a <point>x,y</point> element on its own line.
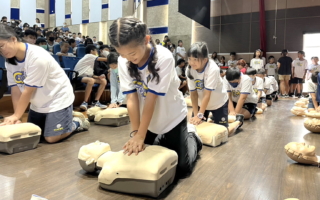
<point>44,46</point>
<point>51,39</point>
<point>115,70</point>
<point>105,53</point>
<point>234,85</point>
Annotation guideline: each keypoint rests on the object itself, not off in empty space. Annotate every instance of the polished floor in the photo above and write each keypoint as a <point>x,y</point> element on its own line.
<point>251,166</point>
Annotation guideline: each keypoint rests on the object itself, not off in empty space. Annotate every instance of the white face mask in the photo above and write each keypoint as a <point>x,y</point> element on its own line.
<point>105,53</point>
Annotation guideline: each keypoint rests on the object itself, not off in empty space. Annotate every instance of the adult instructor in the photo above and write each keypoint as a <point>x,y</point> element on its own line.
<point>284,71</point>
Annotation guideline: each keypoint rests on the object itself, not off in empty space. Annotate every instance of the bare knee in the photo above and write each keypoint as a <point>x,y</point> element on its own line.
<point>90,82</point>
<point>52,139</point>
<point>103,82</point>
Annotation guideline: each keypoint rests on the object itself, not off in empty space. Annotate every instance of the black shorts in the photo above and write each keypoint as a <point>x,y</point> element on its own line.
<point>274,94</point>
<point>219,116</point>
<point>269,96</point>
<point>262,100</point>
<point>310,104</point>
<point>251,107</point>
<point>297,80</point>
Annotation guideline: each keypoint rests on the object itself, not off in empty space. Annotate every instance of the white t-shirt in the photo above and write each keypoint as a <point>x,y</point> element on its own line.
<point>170,108</point>
<point>208,79</point>
<point>271,67</point>
<point>299,67</point>
<point>85,65</point>
<point>69,54</point>
<point>311,86</point>
<point>39,69</point>
<point>244,87</point>
<point>267,85</point>
<point>274,83</point>
<point>264,61</point>
<point>215,60</point>
<point>314,68</point>
<point>179,71</point>
<point>256,63</point>
<point>258,86</point>
<point>181,51</point>
<point>232,63</point>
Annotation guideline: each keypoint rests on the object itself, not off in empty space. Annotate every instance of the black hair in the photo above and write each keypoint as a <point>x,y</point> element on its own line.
<point>30,32</point>
<point>251,71</point>
<point>6,33</point>
<point>270,57</point>
<point>261,71</point>
<point>166,36</point>
<point>90,48</point>
<point>103,47</point>
<point>168,40</point>
<point>284,52</point>
<point>70,41</point>
<point>221,71</point>
<point>40,39</point>
<point>100,43</point>
<point>314,57</point>
<point>74,33</point>
<point>254,55</point>
<point>233,53</point>
<point>180,61</point>
<point>126,30</point>
<point>94,37</point>
<point>26,25</point>
<point>113,58</point>
<point>233,74</point>
<point>216,56</point>
<point>88,40</point>
<point>63,43</point>
<point>222,57</point>
<point>38,19</point>
<point>49,33</point>
<point>302,52</point>
<point>174,46</point>
<point>314,77</point>
<point>38,29</point>
<point>79,33</point>
<point>157,40</point>
<point>197,50</point>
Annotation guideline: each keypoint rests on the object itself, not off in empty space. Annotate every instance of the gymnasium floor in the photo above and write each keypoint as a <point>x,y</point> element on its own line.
<point>251,166</point>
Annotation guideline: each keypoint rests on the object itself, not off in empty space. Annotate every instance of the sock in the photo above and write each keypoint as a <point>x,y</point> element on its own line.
<point>75,125</point>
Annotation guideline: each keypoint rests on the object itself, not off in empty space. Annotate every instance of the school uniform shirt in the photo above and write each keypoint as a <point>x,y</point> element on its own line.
<point>267,85</point>
<point>232,63</point>
<point>300,66</point>
<point>179,71</point>
<point>256,63</point>
<point>69,54</point>
<point>258,86</point>
<point>274,83</point>
<point>216,60</point>
<point>208,79</point>
<point>264,61</point>
<point>181,51</point>
<point>50,47</point>
<point>311,87</point>
<point>40,70</point>
<point>271,67</point>
<point>312,68</point>
<point>85,65</point>
<point>170,108</point>
<point>244,87</point>
<point>116,94</point>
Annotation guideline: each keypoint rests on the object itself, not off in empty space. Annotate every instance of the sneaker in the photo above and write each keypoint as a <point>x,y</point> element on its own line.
<point>84,106</point>
<point>84,123</point>
<point>192,129</point>
<point>287,96</point>
<point>240,118</point>
<point>98,104</point>
<point>276,98</point>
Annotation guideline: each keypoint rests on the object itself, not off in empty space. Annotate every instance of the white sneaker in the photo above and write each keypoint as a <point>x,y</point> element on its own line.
<point>84,123</point>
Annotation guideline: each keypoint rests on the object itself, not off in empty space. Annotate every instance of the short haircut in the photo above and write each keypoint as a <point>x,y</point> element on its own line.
<point>113,58</point>
<point>270,57</point>
<point>63,43</point>
<point>241,62</point>
<point>261,71</point>
<point>314,57</point>
<point>79,33</point>
<point>89,48</point>
<point>71,41</point>
<point>74,34</point>
<point>168,40</point>
<point>40,40</point>
<point>30,32</point>
<point>100,43</point>
<point>104,47</point>
<point>233,74</point>
<point>302,52</point>
<point>94,37</point>
<point>251,71</point>
<point>180,61</point>
<point>38,29</point>
<point>284,51</point>
<point>233,53</point>
<point>49,33</point>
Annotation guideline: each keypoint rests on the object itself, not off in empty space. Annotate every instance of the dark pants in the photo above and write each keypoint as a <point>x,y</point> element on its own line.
<point>181,141</point>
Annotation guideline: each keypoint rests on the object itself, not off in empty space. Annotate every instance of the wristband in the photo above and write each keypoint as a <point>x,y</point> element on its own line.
<point>132,133</point>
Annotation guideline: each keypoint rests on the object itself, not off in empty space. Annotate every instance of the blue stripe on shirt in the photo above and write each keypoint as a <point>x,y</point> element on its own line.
<point>34,86</point>
<point>156,93</point>
<point>245,93</point>
<point>129,92</point>
<point>209,89</point>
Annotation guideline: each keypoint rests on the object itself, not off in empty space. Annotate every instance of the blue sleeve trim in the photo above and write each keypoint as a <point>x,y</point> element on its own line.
<point>228,90</point>
<point>156,93</point>
<point>12,85</point>
<point>193,90</point>
<point>245,93</point>
<point>260,89</point>
<point>311,92</point>
<point>129,92</point>
<point>34,86</point>
<point>209,89</point>
<point>266,88</point>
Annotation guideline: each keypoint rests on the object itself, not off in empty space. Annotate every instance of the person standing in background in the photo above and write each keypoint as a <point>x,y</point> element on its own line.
<point>181,51</point>
<point>284,71</point>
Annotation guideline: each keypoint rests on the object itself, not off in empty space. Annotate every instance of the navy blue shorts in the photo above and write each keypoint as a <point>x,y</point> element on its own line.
<point>53,124</point>
<point>251,107</point>
<point>269,96</point>
<point>219,116</point>
<point>262,100</point>
<point>296,80</point>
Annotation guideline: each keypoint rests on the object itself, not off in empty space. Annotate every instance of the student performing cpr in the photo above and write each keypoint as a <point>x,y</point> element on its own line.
<point>156,107</point>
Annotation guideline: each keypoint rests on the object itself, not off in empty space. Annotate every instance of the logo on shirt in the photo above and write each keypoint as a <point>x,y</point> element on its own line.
<point>199,84</point>
<point>257,62</point>
<point>271,66</point>
<point>19,77</point>
<point>299,64</point>
<point>255,90</point>
<point>59,128</point>
<point>235,93</point>
<point>141,87</point>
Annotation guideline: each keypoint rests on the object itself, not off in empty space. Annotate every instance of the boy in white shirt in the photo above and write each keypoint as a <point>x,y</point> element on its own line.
<point>243,100</point>
<point>85,69</point>
<point>299,70</point>
<point>64,50</point>
<point>181,51</point>
<point>267,85</point>
<point>313,67</point>
<point>312,85</point>
<point>271,67</point>
<point>232,62</point>
<point>257,84</point>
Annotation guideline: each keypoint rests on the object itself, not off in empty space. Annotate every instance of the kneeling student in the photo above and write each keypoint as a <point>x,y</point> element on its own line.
<point>35,77</point>
<point>180,65</point>
<point>117,97</point>
<point>268,89</point>
<point>257,84</point>
<point>208,93</point>
<point>275,88</point>
<point>243,100</point>
<point>312,85</point>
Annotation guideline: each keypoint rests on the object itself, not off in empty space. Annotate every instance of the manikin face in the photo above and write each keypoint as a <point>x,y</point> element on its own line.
<point>197,63</point>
